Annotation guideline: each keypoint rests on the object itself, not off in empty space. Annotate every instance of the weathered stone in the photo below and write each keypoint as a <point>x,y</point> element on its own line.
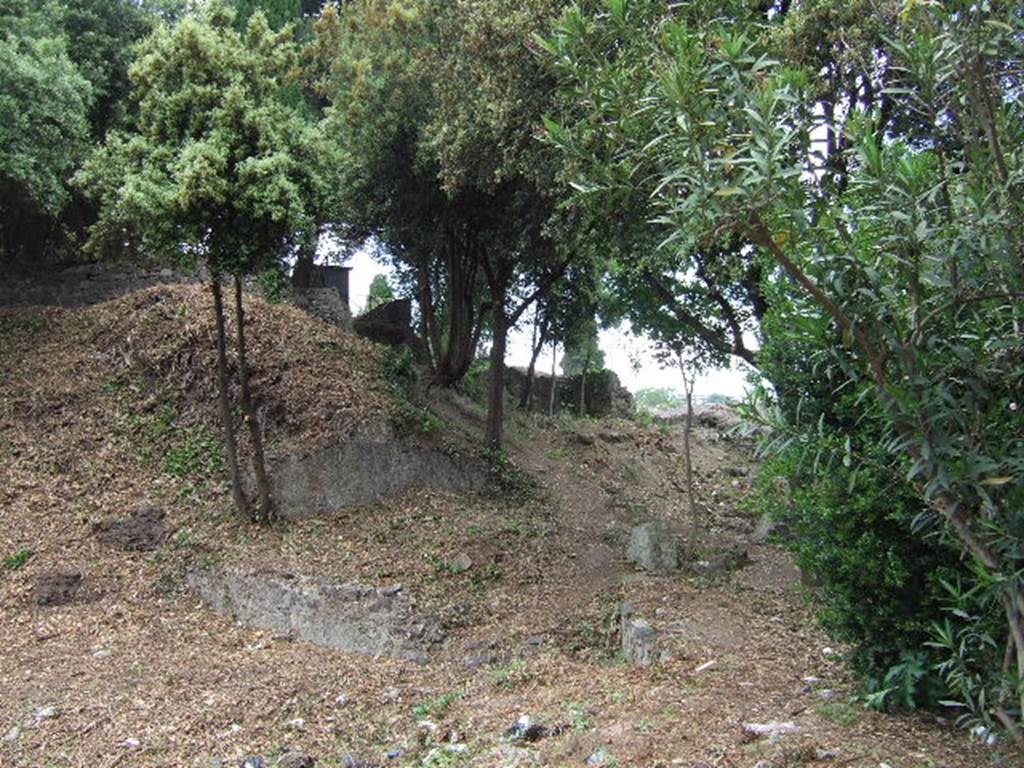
<point>484,659</point>
<point>654,547</point>
<point>642,644</point>
<point>605,395</point>
<point>295,760</point>
<point>145,530</point>
<point>348,617</point>
<point>716,416</point>
<point>56,587</point>
<point>362,471</point>
<point>772,729</point>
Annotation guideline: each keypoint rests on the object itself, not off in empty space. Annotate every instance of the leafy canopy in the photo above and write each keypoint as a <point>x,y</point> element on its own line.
<point>223,167</point>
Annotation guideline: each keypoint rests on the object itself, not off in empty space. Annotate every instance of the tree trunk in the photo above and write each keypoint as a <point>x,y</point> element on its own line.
<point>554,378</point>
<point>259,464</point>
<point>526,399</point>
<point>496,406</point>
<point>227,421</point>
<point>688,382</point>
<point>583,386</point>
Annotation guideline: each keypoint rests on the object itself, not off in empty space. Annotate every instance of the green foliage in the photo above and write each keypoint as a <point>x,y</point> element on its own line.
<point>63,84</point>
<point>436,707</point>
<point>900,248</point>
<point>659,399</point>
<point>188,453</point>
<point>507,480</point>
<point>380,292</point>
<point>44,111</point>
<point>15,561</point>
<point>583,353</point>
<point>223,167</point>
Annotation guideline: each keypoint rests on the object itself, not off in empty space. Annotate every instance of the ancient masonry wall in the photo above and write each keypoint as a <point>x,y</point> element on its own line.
<point>85,284</point>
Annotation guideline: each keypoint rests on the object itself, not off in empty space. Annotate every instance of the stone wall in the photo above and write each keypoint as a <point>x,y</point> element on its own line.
<point>605,396</point>
<point>347,617</point>
<point>362,471</point>
<point>86,284</point>
<point>82,284</point>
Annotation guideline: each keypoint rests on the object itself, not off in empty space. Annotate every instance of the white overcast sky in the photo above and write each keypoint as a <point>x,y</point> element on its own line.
<point>628,355</point>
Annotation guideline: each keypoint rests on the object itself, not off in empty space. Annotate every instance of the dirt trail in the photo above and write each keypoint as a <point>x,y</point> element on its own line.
<point>136,671</point>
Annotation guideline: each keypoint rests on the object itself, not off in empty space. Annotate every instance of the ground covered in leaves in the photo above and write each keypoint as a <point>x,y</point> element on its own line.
<point>109,660</point>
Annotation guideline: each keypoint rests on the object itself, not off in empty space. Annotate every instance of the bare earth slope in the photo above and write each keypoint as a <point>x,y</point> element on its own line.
<point>109,410</point>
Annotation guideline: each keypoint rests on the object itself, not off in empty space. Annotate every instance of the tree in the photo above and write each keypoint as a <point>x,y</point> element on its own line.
<point>437,104</point>
<point>380,292</point>
<point>44,107</point>
<point>220,171</point>
<point>914,260</point>
<point>63,85</point>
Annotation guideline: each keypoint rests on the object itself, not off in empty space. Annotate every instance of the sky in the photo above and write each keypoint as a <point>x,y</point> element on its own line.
<point>626,354</point>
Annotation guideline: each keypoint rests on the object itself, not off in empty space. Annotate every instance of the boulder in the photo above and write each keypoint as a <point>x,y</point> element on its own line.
<point>655,547</point>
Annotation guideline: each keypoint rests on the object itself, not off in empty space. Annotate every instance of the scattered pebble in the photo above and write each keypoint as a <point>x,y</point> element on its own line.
<point>599,756</point>
<point>46,713</point>
<point>298,723</point>
<point>129,744</point>
<point>12,735</point>
<point>771,729</point>
<point>706,666</point>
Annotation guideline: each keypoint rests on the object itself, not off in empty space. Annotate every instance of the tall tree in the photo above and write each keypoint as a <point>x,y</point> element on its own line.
<point>45,102</point>
<point>64,84</point>
<point>221,170</point>
<point>915,259</point>
<point>437,104</point>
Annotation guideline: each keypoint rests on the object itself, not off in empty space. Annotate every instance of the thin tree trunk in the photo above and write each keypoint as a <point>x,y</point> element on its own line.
<point>688,382</point>
<point>554,378</point>
<point>526,400</point>
<point>227,421</point>
<point>583,386</point>
<point>496,406</point>
<point>259,463</point>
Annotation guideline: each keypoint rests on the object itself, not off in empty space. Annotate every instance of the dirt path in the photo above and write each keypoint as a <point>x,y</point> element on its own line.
<point>135,671</point>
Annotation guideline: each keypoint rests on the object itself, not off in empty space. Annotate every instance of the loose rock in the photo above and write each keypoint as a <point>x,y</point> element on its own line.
<point>654,547</point>
<point>295,760</point>
<point>642,644</point>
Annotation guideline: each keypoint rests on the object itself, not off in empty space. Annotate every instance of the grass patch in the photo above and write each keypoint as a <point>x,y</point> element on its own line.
<point>190,453</point>
<point>15,561</point>
<point>14,330</point>
<point>436,707</point>
<point>841,712</point>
